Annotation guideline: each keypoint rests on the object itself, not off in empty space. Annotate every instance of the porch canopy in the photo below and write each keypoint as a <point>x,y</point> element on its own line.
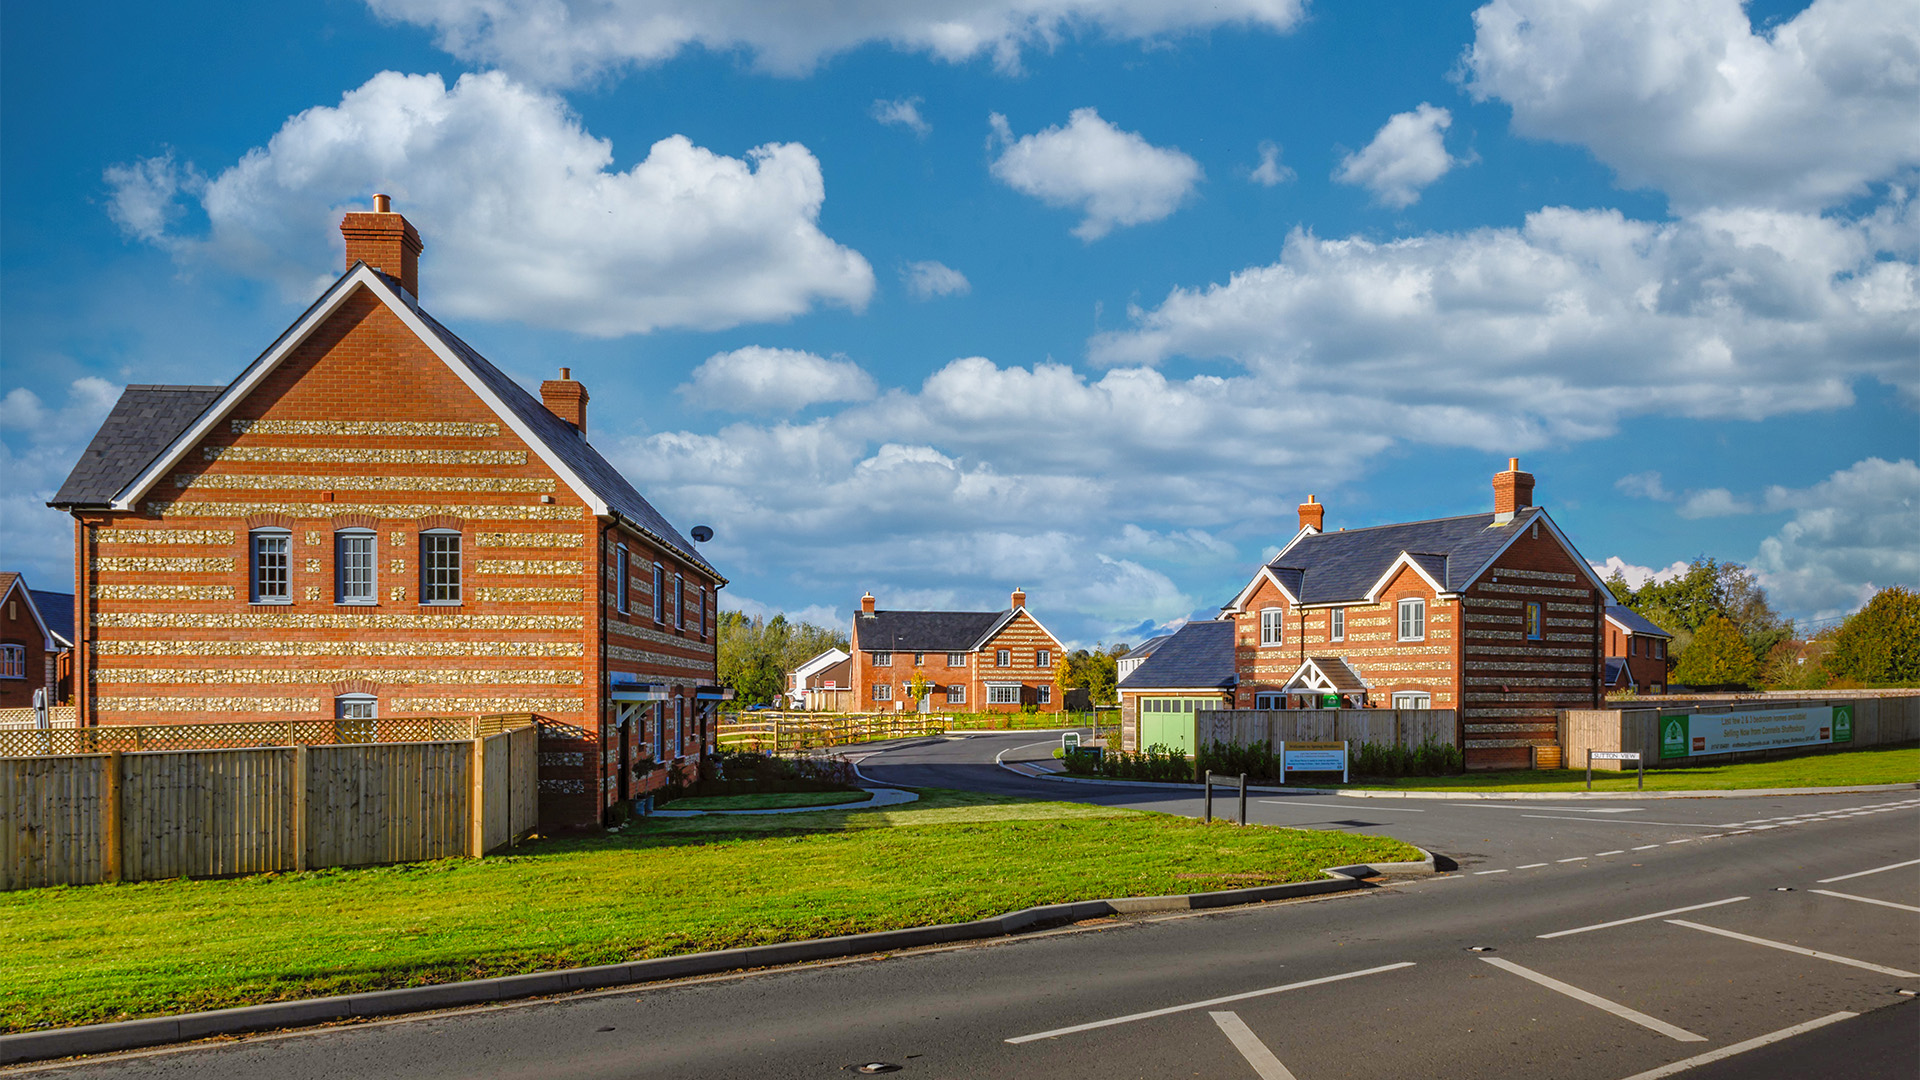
<point>1320,676</point>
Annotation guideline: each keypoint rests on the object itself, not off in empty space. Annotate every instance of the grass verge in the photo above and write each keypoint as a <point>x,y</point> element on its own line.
<point>774,801</point>
<point>94,953</point>
<point>1850,768</point>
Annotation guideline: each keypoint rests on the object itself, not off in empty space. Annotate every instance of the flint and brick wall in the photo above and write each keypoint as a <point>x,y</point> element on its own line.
<point>1022,638</point>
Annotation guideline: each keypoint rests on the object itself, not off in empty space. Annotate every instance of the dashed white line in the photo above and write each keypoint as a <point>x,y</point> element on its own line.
<point>1875,870</point>
<point>1643,918</point>
<point>1190,1006</point>
<point>1686,840</point>
<point>1244,1040</point>
<point>1604,854</point>
<point>1865,899</point>
<point>1576,858</point>
<point>1530,866</point>
<point>1481,873</point>
<point>1784,947</point>
<point>1646,847</point>
<point>1598,1002</point>
<point>1711,836</point>
<point>1740,1047</point>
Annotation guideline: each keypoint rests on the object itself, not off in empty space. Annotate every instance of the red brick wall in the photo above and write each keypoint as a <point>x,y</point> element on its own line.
<point>1022,638</point>
<point>1371,647</point>
<point>1647,669</point>
<point>18,627</point>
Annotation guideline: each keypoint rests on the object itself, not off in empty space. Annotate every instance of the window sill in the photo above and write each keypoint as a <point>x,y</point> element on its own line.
<point>270,603</point>
<point>356,603</point>
<point>440,603</point>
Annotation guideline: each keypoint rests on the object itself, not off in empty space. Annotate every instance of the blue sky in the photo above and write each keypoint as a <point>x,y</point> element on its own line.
<point>937,299</point>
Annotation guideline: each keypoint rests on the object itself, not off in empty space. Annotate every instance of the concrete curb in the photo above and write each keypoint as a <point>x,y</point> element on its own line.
<point>877,797</point>
<point>158,1030</point>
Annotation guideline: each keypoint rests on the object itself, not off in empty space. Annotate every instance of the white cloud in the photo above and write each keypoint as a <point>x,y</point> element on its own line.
<point>1270,172</point>
<point>42,446</point>
<point>1713,502</point>
<point>1407,154</point>
<point>757,379</point>
<point>145,193</point>
<point>571,41</point>
<point>1851,535</point>
<point>1639,575</point>
<point>1505,339</point>
<point>901,112</point>
<point>1687,98</point>
<point>826,615</point>
<point>1114,177</point>
<point>926,280</point>
<point>520,211</point>
<point>1645,485</point>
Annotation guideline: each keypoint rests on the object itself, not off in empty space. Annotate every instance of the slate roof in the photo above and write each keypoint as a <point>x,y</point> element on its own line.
<point>142,423</point>
<point>1147,648</point>
<point>1199,655</point>
<point>926,631</point>
<point>1617,672</point>
<point>148,418</point>
<point>1635,622</point>
<point>1332,567</point>
<point>57,609</point>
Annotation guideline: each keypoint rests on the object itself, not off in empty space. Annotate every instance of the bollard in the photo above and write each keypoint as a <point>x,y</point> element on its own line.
<point>1206,781</point>
<point>1589,770</point>
<point>1243,798</point>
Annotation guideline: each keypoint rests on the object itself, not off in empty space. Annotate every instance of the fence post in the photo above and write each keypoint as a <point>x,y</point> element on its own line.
<point>110,864</point>
<point>477,798</point>
<point>1243,798</point>
<point>299,808</point>
<point>1206,781</point>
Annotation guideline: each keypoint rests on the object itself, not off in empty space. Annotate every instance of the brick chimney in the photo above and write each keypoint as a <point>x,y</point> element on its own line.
<point>566,399</point>
<point>1313,515</point>
<point>866,604</point>
<point>385,241</point>
<point>1512,492</point>
<point>1019,599</point>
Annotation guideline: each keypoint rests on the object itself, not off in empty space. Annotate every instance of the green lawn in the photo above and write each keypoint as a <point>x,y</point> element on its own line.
<point>86,954</point>
<point>1900,765</point>
<point>775,801</point>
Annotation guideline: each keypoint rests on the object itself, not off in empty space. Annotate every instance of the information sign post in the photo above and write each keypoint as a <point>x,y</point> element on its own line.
<point>1613,755</point>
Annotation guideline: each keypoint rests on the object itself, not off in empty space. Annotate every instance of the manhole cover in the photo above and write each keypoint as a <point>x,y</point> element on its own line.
<point>873,1067</point>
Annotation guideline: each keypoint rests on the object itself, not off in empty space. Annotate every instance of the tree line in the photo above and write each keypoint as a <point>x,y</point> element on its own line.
<point>755,652</point>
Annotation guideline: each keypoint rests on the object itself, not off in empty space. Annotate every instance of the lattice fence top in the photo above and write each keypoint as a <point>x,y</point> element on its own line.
<point>130,738</point>
<point>58,716</point>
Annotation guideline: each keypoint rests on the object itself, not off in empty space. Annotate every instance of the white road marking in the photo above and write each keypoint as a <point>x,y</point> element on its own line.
<point>1784,947</point>
<point>1865,899</point>
<point>1190,1006</point>
<point>1684,840</point>
<point>1603,854</point>
<point>1530,866</point>
<point>1623,821</point>
<point>1643,918</point>
<point>1740,1047</point>
<point>1339,806</point>
<point>1875,870</point>
<point>1576,858</point>
<point>1250,1047</point>
<point>1598,1002</point>
<point>1561,809</point>
<point>1713,836</point>
<point>1646,847</point>
<point>1478,873</point>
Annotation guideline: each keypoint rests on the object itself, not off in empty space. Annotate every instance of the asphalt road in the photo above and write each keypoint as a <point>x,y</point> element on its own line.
<point>1517,965</point>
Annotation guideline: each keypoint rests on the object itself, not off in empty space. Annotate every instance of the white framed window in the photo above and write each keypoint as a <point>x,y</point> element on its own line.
<point>440,567</point>
<point>355,580</point>
<point>659,593</point>
<point>271,566</point>
<point>1043,658</point>
<point>679,602</point>
<point>355,707</point>
<point>956,659</point>
<point>883,659</point>
<point>1003,693</point>
<point>956,694</point>
<point>919,659</point>
<point>1269,701</point>
<point>1412,700</point>
<point>1413,620</point>
<point>622,578</point>
<point>1043,694</point>
<point>1003,658</point>
<point>882,692</point>
<point>1273,626</point>
<point>1533,620</point>
<point>13,661</point>
<point>1337,624</point>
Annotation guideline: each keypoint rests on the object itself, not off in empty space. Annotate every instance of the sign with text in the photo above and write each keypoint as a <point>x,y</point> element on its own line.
<point>1696,734</point>
<point>1614,755</point>
<point>1316,757</point>
<point>1070,742</point>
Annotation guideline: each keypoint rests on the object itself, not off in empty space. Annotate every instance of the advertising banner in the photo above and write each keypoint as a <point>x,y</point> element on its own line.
<point>1316,757</point>
<point>1696,734</point>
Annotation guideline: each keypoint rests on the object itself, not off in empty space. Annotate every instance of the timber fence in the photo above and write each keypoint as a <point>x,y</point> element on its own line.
<point>1407,728</point>
<point>83,818</point>
<point>1881,718</point>
<point>799,732</point>
<point>60,716</point>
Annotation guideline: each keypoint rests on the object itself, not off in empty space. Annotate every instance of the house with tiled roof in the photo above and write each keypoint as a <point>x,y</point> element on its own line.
<point>830,670</point>
<point>1495,615</point>
<point>372,520</point>
<point>968,661</point>
<point>1134,657</point>
<point>1192,670</point>
<point>36,642</point>
<point>1636,652</point>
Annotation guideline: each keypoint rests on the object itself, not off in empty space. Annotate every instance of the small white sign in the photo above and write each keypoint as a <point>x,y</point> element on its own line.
<point>1615,755</point>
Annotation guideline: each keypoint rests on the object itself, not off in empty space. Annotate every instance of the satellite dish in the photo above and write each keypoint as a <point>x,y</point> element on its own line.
<point>702,534</point>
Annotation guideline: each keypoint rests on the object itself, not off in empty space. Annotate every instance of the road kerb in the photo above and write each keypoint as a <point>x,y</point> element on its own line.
<point>1521,796</point>
<point>159,1030</point>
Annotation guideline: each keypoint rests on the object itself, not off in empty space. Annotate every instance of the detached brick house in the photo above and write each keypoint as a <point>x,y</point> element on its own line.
<point>974,661</point>
<point>1189,671</point>
<point>1494,615</point>
<point>36,642</point>
<point>372,520</point>
<point>1636,652</point>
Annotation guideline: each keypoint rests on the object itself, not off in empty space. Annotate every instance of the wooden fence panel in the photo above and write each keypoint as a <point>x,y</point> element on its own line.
<point>1387,727</point>
<point>1877,721</point>
<point>523,796</point>
<point>496,792</point>
<point>52,833</point>
<point>205,813</point>
<point>387,802</point>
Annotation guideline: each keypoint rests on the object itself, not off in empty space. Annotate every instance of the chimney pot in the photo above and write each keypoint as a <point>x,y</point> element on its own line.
<point>385,241</point>
<point>382,204</point>
<point>866,604</point>
<point>1019,598</point>
<point>566,399</point>
<point>1313,515</point>
<point>1512,492</point>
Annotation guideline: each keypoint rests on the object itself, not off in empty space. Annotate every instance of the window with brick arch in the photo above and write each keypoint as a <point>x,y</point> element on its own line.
<point>1273,626</point>
<point>440,567</point>
<point>1533,620</point>
<point>1337,624</point>
<point>271,565</point>
<point>354,578</point>
<point>659,593</point>
<point>1413,620</point>
<point>622,577</point>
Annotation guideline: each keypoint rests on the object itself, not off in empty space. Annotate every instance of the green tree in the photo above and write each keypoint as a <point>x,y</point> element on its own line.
<point>1719,656</point>
<point>1093,670</point>
<point>1880,643</point>
<point>1708,589</point>
<point>754,653</point>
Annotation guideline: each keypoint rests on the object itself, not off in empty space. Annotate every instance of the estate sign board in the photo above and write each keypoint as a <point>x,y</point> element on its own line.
<point>1696,734</point>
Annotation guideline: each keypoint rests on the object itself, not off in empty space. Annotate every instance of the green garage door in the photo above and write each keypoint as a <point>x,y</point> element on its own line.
<point>1168,722</point>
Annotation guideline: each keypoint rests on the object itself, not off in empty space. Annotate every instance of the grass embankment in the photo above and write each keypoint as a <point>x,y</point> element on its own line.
<point>1850,768</point>
<point>95,953</point>
<point>775,801</point>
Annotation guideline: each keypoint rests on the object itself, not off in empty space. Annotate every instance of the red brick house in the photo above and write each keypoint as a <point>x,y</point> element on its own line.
<point>1636,652</point>
<point>372,520</point>
<point>973,661</point>
<point>1494,615</point>
<point>35,642</point>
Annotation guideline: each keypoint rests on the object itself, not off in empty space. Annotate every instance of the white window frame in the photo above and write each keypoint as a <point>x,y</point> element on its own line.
<point>919,659</point>
<point>1273,626</point>
<point>882,658</point>
<point>13,661</point>
<point>256,540</point>
<point>356,707</point>
<point>428,587</point>
<point>1412,616</point>
<point>341,537</point>
<point>660,596</point>
<point>1043,658</point>
<point>622,578</point>
<point>1412,699</point>
<point>1003,658</point>
<point>882,691</point>
<point>1533,620</point>
<point>956,694</point>
<point>956,659</point>
<point>1337,624</point>
<point>997,693</point>
<point>1268,699</point>
<point>1043,694</point>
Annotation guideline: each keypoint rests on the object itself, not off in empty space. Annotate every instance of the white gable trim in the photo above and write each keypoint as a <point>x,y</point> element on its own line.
<point>1007,620</point>
<point>322,309</point>
<point>50,641</point>
<point>1316,680</point>
<point>1373,594</point>
<point>820,663</point>
<point>1266,572</point>
<point>1631,631</point>
<point>1572,552</point>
